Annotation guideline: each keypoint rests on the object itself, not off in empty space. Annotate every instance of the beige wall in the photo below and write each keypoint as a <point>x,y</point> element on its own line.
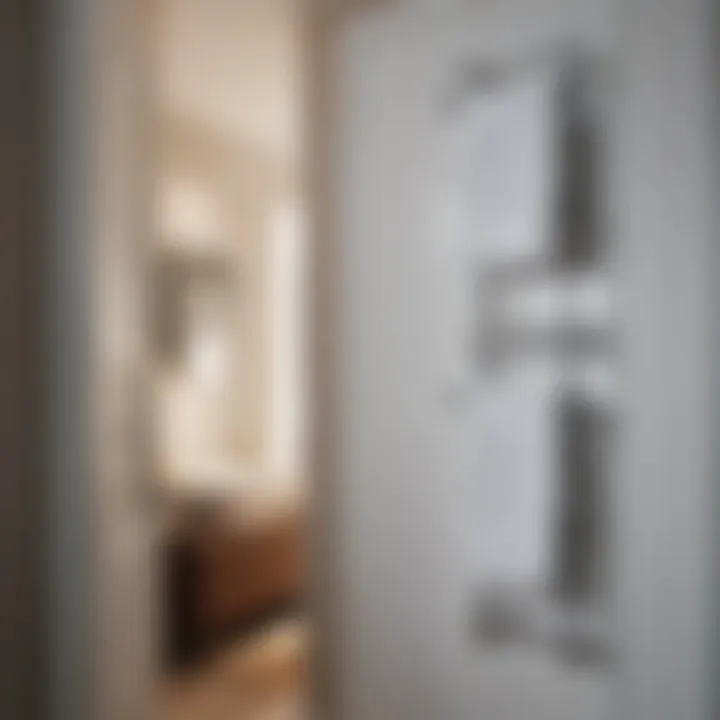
<point>228,98</point>
<point>245,187</point>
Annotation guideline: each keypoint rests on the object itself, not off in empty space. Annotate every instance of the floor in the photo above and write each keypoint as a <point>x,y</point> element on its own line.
<point>264,677</point>
<point>261,678</point>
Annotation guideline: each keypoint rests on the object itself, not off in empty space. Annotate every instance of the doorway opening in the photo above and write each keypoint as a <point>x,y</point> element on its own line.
<point>229,335</point>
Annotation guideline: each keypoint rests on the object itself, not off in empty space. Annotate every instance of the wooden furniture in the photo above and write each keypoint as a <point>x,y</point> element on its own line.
<point>224,576</point>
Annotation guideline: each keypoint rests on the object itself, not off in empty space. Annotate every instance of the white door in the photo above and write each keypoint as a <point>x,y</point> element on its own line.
<point>405,551</point>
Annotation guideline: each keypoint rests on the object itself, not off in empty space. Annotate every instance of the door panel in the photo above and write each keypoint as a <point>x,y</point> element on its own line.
<point>407,593</point>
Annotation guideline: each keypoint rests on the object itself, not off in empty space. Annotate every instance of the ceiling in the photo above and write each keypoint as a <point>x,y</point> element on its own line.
<point>232,66</point>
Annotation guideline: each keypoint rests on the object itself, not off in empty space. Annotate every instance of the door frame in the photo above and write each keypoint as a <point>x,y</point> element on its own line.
<point>90,40</point>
